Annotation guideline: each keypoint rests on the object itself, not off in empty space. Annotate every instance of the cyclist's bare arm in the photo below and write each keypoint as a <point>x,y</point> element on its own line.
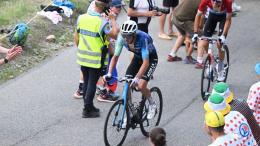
<point>198,18</point>
<point>227,24</point>
<point>143,68</point>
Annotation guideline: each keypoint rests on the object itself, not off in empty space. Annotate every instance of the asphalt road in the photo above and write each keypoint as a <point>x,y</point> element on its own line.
<point>37,108</point>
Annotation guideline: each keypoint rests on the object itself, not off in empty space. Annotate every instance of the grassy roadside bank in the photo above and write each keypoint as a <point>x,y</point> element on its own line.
<point>36,49</point>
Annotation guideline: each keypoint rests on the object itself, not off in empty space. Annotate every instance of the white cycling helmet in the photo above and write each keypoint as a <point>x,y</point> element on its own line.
<point>129,27</point>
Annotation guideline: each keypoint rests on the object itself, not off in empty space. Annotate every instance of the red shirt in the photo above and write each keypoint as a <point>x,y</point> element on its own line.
<point>226,5</point>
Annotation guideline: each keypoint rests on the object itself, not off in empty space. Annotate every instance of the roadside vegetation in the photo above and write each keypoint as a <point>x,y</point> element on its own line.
<point>36,48</point>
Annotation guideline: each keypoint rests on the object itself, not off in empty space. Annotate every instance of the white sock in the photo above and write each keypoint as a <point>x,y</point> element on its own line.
<point>173,54</point>
<point>199,60</point>
<point>81,81</point>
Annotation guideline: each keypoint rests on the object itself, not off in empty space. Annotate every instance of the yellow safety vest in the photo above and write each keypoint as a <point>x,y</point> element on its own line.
<point>90,42</point>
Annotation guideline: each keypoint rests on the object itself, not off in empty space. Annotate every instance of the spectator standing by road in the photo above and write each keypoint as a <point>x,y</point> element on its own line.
<point>107,93</point>
<point>183,19</point>
<point>115,8</point>
<point>171,4</point>
<point>253,98</point>
<point>90,39</point>
<point>141,11</point>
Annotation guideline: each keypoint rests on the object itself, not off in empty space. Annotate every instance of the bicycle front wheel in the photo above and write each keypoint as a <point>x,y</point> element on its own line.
<point>146,125</point>
<point>114,132</point>
<point>206,78</point>
<point>226,61</point>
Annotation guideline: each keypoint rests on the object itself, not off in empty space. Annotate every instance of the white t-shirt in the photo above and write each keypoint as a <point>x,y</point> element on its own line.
<point>229,139</point>
<point>253,100</point>
<point>237,124</point>
<point>141,6</point>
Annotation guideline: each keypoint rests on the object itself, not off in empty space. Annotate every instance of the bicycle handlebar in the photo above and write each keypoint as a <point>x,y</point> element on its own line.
<point>128,80</point>
<point>123,79</point>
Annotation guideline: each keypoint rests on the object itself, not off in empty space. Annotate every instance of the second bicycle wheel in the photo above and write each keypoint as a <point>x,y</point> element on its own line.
<point>114,132</point>
<point>146,125</point>
<point>226,61</point>
<point>206,78</point>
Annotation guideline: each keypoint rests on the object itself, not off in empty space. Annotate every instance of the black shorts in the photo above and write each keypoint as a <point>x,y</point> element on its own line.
<point>135,65</point>
<point>211,24</point>
<point>170,3</point>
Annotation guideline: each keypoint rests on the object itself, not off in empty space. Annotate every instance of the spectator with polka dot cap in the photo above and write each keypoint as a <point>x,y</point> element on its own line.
<point>253,98</point>
<point>214,126</point>
<point>239,105</point>
<point>235,122</point>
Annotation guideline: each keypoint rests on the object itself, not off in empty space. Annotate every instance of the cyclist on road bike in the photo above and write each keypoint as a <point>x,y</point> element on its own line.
<point>143,63</point>
<point>219,11</point>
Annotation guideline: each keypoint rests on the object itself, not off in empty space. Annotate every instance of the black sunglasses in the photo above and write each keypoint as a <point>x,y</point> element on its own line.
<point>217,1</point>
<point>127,36</point>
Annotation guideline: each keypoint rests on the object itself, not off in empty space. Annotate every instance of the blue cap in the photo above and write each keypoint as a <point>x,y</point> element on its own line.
<point>116,3</point>
<point>257,68</point>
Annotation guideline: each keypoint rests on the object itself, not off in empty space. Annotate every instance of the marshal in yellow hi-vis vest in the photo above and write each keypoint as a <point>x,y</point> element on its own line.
<point>91,42</point>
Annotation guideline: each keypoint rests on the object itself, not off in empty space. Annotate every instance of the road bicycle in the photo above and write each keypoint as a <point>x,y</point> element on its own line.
<point>125,114</point>
<point>210,70</point>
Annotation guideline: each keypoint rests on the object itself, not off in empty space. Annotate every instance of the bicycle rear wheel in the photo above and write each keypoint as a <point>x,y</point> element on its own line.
<point>114,134</point>
<point>206,78</point>
<point>146,125</point>
<point>226,61</point>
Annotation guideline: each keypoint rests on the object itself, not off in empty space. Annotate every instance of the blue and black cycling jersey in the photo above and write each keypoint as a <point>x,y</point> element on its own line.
<point>143,47</point>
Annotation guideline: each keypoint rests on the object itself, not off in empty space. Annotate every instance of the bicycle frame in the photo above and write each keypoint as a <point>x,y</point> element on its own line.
<point>213,58</point>
<point>125,96</point>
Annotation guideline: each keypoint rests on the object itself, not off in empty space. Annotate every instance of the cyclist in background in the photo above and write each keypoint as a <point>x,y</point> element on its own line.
<point>143,63</point>
<point>219,11</point>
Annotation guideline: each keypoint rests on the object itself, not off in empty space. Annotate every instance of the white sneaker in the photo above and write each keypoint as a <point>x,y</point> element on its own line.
<point>221,76</point>
<point>235,7</point>
<point>152,109</point>
<point>124,123</point>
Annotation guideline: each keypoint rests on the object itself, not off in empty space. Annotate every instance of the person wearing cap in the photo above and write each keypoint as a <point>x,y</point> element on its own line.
<point>157,137</point>
<point>235,122</point>
<point>239,105</point>
<point>107,92</point>
<point>90,39</point>
<point>214,126</point>
<point>115,8</point>
<point>253,99</point>
<point>220,11</point>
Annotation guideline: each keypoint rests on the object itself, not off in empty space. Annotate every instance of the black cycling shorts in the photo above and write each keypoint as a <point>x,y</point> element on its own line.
<point>211,24</point>
<point>170,3</point>
<point>135,65</point>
